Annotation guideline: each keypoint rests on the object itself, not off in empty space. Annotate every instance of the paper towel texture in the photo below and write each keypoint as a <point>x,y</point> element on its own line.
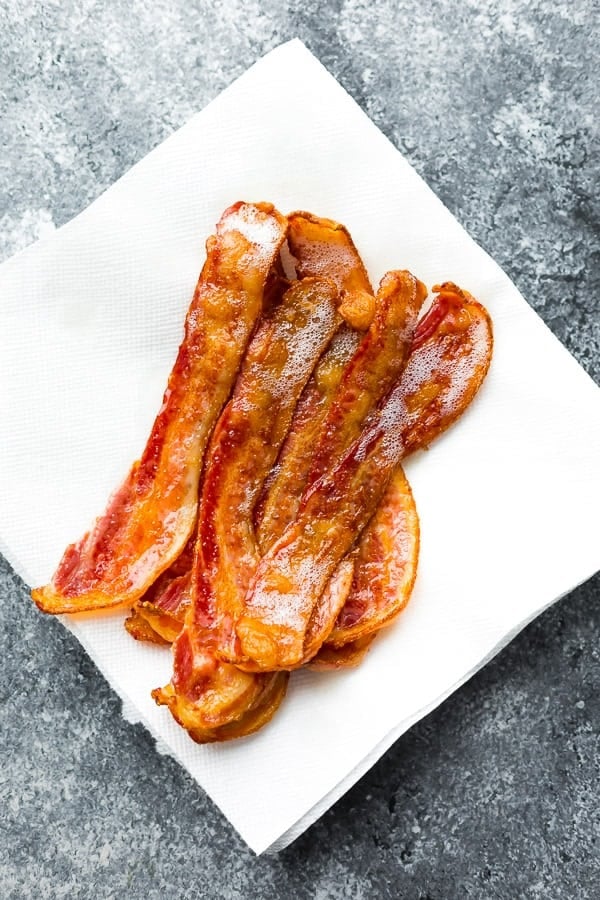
<point>91,320</point>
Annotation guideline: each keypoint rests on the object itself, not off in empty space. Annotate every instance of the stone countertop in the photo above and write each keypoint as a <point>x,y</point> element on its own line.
<point>493,795</point>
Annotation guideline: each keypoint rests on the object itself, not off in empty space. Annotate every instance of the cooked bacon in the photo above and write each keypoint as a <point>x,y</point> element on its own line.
<point>248,436</point>
<point>375,367</point>
<point>244,446</point>
<point>321,247</point>
<point>306,539</point>
<point>385,566</point>
<point>255,713</point>
<point>140,629</point>
<point>150,518</point>
<point>346,657</point>
<point>440,380</point>
<point>329,607</point>
<point>369,375</point>
<point>206,694</point>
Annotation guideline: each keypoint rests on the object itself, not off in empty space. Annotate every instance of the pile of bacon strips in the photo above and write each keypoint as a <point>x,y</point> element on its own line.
<point>268,524</point>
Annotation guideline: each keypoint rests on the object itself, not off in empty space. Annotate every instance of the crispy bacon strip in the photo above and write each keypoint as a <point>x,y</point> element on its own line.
<point>440,380</point>
<point>373,370</point>
<point>324,248</point>
<point>347,657</point>
<point>142,630</point>
<point>250,432</point>
<point>285,485</point>
<point>163,606</point>
<point>244,446</point>
<point>151,516</point>
<point>253,719</point>
<point>385,566</point>
<point>206,695</point>
<point>330,605</point>
<point>321,247</point>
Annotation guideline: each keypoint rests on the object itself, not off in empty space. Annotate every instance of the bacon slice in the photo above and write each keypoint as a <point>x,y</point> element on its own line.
<point>373,370</point>
<point>346,657</point>
<point>253,719</point>
<point>206,695</point>
<point>440,380</point>
<point>385,566</point>
<point>285,485</point>
<point>150,518</point>
<point>330,605</point>
<point>324,248</point>
<point>163,607</point>
<point>321,247</point>
<point>337,401</point>
<point>250,432</point>
<point>142,630</point>
<point>243,448</point>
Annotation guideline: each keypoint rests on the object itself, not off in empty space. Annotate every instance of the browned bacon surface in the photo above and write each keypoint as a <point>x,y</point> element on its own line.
<point>373,369</point>
<point>244,446</point>
<point>248,436</point>
<point>385,566</point>
<point>321,247</point>
<point>441,378</point>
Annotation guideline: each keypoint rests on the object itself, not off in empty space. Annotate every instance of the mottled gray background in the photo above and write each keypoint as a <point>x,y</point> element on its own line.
<point>495,794</point>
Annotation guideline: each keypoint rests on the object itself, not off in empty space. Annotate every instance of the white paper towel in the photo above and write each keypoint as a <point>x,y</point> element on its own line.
<point>91,318</point>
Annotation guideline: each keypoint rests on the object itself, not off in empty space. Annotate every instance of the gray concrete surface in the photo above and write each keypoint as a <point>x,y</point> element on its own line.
<point>495,794</point>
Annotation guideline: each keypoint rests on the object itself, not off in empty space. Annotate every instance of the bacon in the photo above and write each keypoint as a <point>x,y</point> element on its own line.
<point>385,566</point>
<point>440,380</point>
<point>373,370</point>
<point>244,446</point>
<point>250,432</point>
<point>320,247</point>
<point>324,248</point>
<point>142,630</point>
<point>150,518</point>
<point>256,714</point>
<point>330,605</point>
<point>346,657</point>
<point>206,695</point>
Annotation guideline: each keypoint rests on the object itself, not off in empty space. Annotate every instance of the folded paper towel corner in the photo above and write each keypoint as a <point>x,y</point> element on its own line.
<point>91,321</point>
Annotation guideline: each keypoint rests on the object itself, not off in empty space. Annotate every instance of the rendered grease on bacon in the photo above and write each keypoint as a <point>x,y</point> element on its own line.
<point>269,524</point>
<point>320,247</point>
<point>369,374</point>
